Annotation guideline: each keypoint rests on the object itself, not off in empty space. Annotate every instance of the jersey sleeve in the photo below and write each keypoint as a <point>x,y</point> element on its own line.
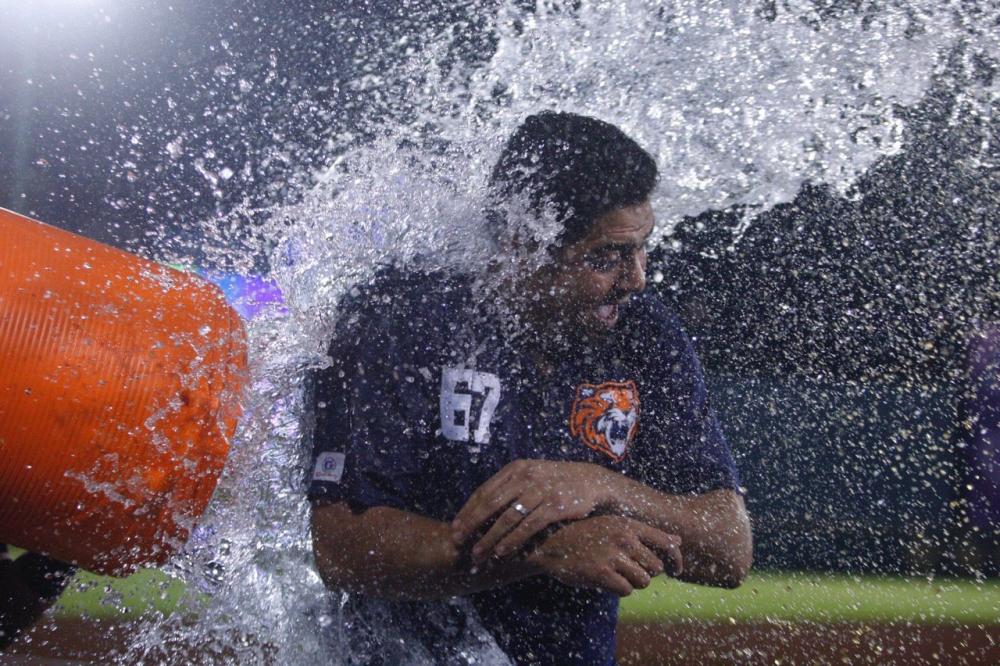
<point>682,449</point>
<point>360,452</point>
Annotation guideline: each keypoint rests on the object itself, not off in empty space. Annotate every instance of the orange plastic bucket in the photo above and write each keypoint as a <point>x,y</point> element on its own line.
<point>119,380</point>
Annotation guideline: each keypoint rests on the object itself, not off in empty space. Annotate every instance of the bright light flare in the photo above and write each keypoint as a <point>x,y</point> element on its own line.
<point>49,23</point>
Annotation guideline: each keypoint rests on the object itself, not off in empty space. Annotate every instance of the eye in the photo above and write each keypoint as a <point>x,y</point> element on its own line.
<point>604,260</point>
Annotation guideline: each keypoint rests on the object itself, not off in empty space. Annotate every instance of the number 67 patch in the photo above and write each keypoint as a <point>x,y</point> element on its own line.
<point>458,385</point>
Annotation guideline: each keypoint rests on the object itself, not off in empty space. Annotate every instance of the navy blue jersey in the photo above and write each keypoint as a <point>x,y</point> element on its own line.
<point>427,399</point>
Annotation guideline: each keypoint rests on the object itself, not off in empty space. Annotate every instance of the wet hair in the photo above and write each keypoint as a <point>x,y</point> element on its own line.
<point>579,167</point>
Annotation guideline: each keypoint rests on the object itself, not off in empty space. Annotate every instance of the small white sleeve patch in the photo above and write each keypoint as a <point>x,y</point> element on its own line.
<point>329,467</point>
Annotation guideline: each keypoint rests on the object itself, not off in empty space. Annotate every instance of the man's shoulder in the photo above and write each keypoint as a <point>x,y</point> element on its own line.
<point>646,315</point>
<point>407,291</point>
<point>403,307</point>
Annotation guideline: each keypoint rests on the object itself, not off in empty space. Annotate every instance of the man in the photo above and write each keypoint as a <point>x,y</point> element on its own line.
<point>531,442</point>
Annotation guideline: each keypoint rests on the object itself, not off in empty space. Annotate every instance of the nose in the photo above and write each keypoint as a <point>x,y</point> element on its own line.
<point>633,275</point>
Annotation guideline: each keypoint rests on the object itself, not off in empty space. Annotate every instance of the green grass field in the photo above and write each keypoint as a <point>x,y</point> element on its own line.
<point>820,598</point>
<point>765,596</point>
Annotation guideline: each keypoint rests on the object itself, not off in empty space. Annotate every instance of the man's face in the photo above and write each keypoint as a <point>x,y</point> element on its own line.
<point>592,277</point>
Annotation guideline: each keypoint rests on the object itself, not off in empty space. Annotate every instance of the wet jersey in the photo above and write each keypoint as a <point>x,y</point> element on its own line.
<point>427,398</point>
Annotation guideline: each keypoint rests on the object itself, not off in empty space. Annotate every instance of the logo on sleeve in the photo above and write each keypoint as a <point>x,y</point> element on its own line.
<point>606,416</point>
<point>329,467</point>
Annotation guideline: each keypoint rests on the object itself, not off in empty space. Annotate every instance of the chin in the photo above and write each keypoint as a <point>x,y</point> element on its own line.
<point>597,327</point>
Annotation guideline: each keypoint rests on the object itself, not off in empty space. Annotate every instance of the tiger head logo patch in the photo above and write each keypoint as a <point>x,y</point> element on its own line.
<point>606,416</point>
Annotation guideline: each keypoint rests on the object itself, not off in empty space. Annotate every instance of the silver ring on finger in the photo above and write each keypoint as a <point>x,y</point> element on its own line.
<point>520,509</point>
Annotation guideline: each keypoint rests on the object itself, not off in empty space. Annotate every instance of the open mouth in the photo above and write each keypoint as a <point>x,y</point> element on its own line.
<point>607,315</point>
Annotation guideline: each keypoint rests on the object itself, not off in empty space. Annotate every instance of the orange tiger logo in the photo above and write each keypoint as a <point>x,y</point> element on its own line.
<point>606,416</point>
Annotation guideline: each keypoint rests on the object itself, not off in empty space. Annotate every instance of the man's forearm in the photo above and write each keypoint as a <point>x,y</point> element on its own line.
<point>716,540</point>
<point>394,554</point>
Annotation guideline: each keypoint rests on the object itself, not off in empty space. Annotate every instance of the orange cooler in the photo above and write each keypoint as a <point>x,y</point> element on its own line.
<point>119,381</point>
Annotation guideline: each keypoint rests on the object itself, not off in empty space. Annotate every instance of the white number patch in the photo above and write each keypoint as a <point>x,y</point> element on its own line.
<point>456,407</point>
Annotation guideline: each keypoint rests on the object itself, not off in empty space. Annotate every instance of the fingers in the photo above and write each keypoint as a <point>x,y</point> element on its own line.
<point>618,584</point>
<point>500,538</point>
<point>565,490</point>
<point>647,559</point>
<point>533,523</point>
<point>487,501</point>
<point>637,576</point>
<point>611,553</point>
<point>667,548</point>
<point>624,575</point>
<point>642,560</point>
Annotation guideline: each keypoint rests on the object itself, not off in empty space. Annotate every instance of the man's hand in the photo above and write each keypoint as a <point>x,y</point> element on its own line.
<point>611,553</point>
<point>527,496</point>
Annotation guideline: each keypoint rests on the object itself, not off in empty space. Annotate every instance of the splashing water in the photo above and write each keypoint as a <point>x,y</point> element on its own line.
<point>740,103</point>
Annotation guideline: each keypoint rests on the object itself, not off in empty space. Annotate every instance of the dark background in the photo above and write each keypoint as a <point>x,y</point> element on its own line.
<point>834,332</point>
<point>95,95</point>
